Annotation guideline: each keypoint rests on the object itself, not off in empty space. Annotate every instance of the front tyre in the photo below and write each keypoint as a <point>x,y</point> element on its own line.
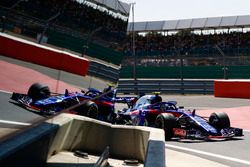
<point>166,122</point>
<point>38,91</point>
<point>219,120</point>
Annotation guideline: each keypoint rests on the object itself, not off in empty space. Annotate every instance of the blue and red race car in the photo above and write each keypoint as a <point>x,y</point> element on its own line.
<point>149,110</point>
<point>94,103</point>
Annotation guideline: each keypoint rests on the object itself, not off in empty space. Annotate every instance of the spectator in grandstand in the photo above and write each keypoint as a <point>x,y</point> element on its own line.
<point>160,45</point>
<point>157,49</point>
<point>78,16</point>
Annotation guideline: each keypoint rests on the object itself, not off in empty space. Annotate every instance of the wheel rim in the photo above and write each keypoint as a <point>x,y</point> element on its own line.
<point>213,120</point>
<point>159,124</point>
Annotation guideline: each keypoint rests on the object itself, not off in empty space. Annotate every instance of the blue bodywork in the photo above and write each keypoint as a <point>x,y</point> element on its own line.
<point>53,104</point>
<point>58,99</point>
<point>145,111</point>
<point>58,103</point>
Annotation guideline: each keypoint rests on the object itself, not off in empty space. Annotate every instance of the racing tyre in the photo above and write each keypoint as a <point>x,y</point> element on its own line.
<point>38,91</point>
<point>166,122</point>
<point>89,109</point>
<point>219,120</point>
<point>111,118</point>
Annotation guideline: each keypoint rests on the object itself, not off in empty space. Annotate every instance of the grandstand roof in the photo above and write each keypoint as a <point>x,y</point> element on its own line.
<point>194,24</point>
<point>115,5</point>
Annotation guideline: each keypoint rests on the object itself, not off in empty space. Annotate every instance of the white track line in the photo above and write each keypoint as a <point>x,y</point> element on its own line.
<point>14,122</point>
<point>5,91</point>
<point>208,154</point>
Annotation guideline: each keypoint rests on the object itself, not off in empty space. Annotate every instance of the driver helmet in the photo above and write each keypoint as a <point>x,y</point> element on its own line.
<point>156,98</point>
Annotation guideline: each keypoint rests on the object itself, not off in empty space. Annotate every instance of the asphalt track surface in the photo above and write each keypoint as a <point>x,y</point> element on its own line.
<point>179,152</point>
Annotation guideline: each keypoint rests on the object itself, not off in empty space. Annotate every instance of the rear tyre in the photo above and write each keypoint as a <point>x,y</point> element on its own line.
<point>38,91</point>
<point>166,122</point>
<point>219,120</point>
<point>89,109</point>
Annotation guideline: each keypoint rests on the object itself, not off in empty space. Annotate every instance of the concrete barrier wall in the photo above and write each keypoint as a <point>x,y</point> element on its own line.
<point>65,124</point>
<point>29,148</point>
<point>156,152</point>
<point>68,132</point>
<point>129,142</point>
<point>31,52</point>
<point>232,88</point>
<point>126,142</point>
<point>93,136</point>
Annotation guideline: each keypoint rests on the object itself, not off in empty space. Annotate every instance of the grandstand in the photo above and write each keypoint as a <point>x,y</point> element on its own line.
<point>83,26</point>
<point>199,48</point>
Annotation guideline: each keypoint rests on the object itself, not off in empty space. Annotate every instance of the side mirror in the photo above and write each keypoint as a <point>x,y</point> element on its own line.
<point>66,92</point>
<point>193,113</point>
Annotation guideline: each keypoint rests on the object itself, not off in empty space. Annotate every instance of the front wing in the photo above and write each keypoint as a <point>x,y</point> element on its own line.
<point>26,102</point>
<point>225,133</point>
